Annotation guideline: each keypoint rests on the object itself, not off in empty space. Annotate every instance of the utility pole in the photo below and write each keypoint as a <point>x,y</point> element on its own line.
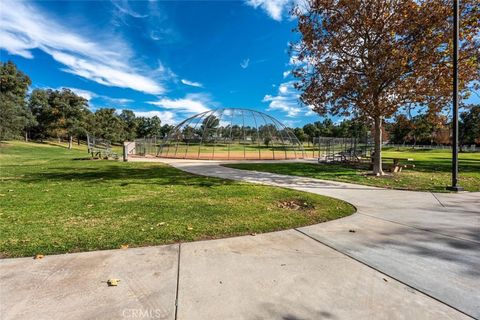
<point>456,22</point>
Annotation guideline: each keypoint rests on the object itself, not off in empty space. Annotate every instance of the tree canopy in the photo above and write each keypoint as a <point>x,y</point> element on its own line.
<point>61,113</point>
<point>371,58</point>
<point>14,116</point>
<point>470,125</point>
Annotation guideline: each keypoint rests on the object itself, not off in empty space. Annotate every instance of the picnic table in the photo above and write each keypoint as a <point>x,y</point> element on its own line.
<point>397,166</point>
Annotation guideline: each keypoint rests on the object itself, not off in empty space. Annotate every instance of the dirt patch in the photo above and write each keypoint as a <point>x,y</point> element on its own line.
<point>295,204</point>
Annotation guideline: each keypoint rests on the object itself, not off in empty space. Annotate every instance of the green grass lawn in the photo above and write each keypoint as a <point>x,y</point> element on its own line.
<point>431,172</point>
<point>54,200</point>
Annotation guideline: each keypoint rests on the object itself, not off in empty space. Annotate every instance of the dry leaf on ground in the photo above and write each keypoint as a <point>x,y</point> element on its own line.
<point>113,282</point>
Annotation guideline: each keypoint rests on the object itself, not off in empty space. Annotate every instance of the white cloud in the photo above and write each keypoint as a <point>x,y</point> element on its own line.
<point>283,89</point>
<point>83,93</point>
<point>291,123</point>
<point>166,35</point>
<point>286,74</point>
<point>167,117</point>
<point>89,95</point>
<point>120,101</point>
<point>274,8</point>
<point>155,35</point>
<point>192,83</point>
<point>15,45</point>
<point>107,61</point>
<point>165,73</point>
<point>277,9</point>
<point>244,64</point>
<point>286,100</point>
<point>125,9</point>
<point>191,103</point>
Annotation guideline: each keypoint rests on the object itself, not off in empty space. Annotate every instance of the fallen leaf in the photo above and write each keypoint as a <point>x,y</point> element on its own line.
<point>189,228</point>
<point>161,224</point>
<point>113,282</point>
<point>124,246</point>
<point>38,256</point>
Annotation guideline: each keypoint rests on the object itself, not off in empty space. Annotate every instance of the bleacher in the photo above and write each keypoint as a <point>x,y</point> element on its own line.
<point>100,148</point>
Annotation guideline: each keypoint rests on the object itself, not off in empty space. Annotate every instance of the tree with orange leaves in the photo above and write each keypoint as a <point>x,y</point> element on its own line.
<point>371,57</point>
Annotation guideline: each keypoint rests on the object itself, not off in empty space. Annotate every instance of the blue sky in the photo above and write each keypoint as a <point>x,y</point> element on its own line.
<point>172,59</point>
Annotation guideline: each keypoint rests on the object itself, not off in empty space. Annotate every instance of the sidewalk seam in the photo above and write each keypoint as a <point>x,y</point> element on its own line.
<point>382,272</point>
<point>433,194</point>
<point>178,279</point>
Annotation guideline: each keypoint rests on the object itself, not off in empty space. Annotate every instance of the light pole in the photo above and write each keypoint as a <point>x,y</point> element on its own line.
<point>455,186</point>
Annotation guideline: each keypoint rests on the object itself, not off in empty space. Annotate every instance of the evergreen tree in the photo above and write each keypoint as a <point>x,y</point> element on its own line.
<point>470,126</point>
<point>14,116</point>
<point>130,124</point>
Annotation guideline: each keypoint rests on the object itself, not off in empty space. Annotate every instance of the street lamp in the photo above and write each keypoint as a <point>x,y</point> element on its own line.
<point>455,186</point>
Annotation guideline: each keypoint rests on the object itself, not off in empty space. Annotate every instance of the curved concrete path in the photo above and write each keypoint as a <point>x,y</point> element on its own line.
<point>429,241</point>
<point>413,256</point>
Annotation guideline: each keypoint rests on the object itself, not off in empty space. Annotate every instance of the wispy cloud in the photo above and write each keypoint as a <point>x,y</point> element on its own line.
<point>291,123</point>
<point>165,73</point>
<point>191,103</point>
<point>274,8</point>
<point>167,117</point>
<point>89,95</point>
<point>286,100</point>
<point>166,35</point>
<point>120,101</point>
<point>23,27</point>
<point>124,8</point>
<point>244,64</point>
<point>192,83</point>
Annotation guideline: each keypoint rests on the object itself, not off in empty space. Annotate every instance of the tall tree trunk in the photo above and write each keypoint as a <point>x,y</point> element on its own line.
<point>377,157</point>
<point>70,140</point>
<point>26,135</point>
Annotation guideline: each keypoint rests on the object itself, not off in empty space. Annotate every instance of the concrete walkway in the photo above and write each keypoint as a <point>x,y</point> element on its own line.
<point>413,256</point>
<point>429,241</point>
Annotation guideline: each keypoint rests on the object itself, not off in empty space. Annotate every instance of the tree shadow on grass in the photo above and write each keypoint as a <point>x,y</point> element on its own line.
<point>125,175</point>
<point>352,170</point>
